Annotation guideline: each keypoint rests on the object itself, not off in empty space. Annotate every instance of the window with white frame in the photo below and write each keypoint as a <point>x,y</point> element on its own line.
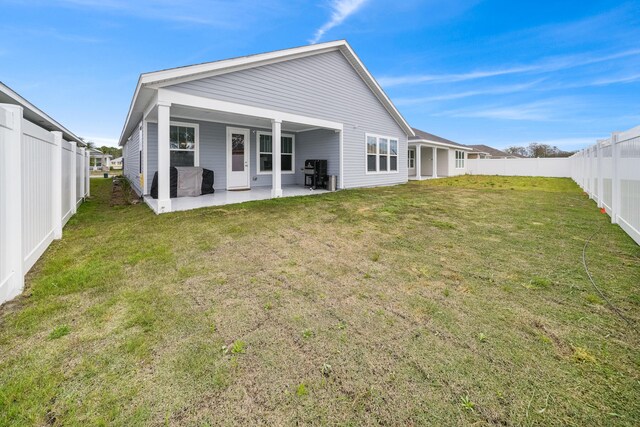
<point>265,153</point>
<point>382,154</point>
<point>412,159</point>
<point>459,159</point>
<point>183,144</point>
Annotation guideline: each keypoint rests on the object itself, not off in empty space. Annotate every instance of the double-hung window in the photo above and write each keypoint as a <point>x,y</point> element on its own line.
<point>412,159</point>
<point>183,144</point>
<point>459,159</point>
<point>265,153</point>
<point>382,154</point>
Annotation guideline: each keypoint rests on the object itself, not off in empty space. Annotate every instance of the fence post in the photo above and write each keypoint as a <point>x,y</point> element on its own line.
<point>82,180</point>
<point>56,182</point>
<point>599,172</point>
<point>74,168</point>
<point>87,173</point>
<point>615,179</point>
<point>11,162</point>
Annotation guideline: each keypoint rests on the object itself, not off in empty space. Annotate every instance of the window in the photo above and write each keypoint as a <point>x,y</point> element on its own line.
<point>459,159</point>
<point>265,153</point>
<point>183,144</point>
<point>382,154</point>
<point>412,159</point>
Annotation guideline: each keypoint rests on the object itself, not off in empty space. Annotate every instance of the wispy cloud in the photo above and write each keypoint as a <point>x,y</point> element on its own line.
<point>546,66</point>
<point>616,80</point>
<point>538,111</point>
<point>215,13</point>
<point>341,10</point>
<point>498,90</point>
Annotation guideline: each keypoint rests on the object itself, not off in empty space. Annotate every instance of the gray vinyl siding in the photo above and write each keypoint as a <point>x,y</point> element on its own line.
<point>315,144</point>
<point>323,86</point>
<point>131,156</point>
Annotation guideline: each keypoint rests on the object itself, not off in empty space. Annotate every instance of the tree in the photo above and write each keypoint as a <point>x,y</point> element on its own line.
<point>517,151</point>
<point>536,149</point>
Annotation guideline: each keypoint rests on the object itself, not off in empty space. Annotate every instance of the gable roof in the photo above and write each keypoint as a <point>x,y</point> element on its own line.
<point>494,152</point>
<point>422,136</point>
<point>34,114</point>
<point>149,82</point>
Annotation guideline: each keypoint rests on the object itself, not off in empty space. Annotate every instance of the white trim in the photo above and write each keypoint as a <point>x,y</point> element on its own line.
<point>258,152</point>
<point>378,155</point>
<point>247,155</point>
<point>341,160</point>
<point>439,144</point>
<point>196,150</point>
<point>178,98</point>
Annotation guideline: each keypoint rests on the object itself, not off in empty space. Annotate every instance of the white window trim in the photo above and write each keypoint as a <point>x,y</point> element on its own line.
<point>196,126</point>
<point>388,155</point>
<point>293,153</point>
<point>412,160</point>
<point>462,159</point>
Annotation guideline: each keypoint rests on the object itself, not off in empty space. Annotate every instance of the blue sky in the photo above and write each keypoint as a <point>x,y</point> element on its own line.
<point>478,72</point>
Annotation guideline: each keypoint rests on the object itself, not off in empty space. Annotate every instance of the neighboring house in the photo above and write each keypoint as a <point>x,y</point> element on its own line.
<point>319,101</point>
<point>486,152</point>
<point>431,156</point>
<point>116,163</point>
<point>100,161</point>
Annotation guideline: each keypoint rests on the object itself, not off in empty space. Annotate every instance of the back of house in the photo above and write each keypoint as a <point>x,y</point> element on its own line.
<point>319,101</point>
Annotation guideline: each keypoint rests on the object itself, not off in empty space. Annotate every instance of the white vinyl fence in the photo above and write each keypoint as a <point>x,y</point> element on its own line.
<point>547,167</point>
<point>609,172</point>
<point>43,179</point>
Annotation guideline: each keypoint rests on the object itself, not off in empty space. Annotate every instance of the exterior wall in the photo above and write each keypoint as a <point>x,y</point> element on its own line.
<point>131,157</point>
<point>445,167</point>
<point>323,86</point>
<point>320,144</point>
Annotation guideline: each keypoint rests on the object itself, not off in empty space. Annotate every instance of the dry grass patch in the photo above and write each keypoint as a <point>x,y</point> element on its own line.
<point>455,301</point>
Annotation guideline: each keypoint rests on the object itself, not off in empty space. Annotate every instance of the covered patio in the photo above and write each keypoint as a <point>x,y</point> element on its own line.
<point>230,139</point>
<point>227,197</point>
<point>427,161</point>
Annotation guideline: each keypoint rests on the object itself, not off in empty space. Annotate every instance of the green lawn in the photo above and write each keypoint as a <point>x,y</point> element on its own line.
<point>450,302</point>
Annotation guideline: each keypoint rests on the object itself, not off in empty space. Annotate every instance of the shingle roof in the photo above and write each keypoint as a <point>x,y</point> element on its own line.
<point>494,152</point>
<point>422,135</point>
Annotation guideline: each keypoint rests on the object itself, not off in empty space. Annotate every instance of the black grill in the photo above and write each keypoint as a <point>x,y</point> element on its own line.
<point>315,173</point>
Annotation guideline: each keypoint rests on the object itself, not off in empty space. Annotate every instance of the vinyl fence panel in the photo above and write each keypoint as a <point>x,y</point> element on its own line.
<point>609,172</point>
<point>39,175</point>
<point>548,167</point>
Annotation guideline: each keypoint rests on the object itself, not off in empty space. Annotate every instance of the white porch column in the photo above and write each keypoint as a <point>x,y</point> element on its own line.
<point>164,200</point>
<point>276,190</point>
<point>418,161</point>
<point>435,162</point>
<point>56,182</point>
<point>145,163</point>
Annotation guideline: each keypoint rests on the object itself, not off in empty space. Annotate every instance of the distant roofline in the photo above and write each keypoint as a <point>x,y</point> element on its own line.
<point>33,112</point>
